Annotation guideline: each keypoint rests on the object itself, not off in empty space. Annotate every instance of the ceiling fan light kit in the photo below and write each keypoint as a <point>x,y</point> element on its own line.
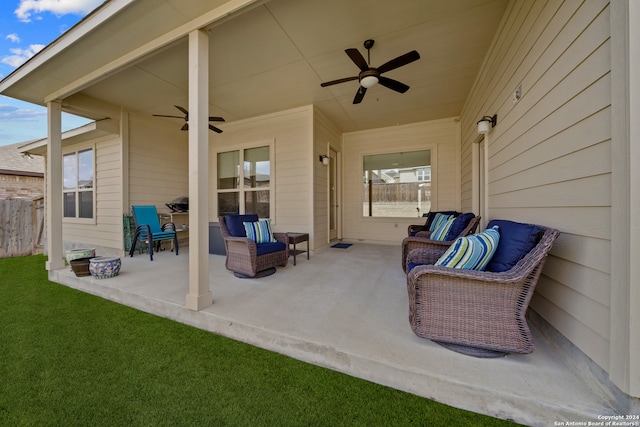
<point>369,81</point>
<point>371,76</point>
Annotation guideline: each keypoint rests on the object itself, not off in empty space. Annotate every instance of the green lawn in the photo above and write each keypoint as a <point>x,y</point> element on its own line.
<point>73,359</point>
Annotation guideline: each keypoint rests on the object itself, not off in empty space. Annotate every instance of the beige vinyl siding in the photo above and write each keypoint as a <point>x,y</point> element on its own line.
<point>550,153</point>
<point>106,233</point>
<point>326,136</point>
<point>441,136</point>
<point>158,162</point>
<point>290,133</point>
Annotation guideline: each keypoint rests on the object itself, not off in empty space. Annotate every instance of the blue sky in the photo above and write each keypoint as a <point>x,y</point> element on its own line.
<point>27,26</point>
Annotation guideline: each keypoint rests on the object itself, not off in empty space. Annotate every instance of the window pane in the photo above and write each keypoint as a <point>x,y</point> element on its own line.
<point>69,205</point>
<point>85,199</point>
<point>397,184</point>
<point>69,171</point>
<point>257,202</point>
<point>85,169</point>
<point>228,170</point>
<point>228,204</point>
<point>256,167</point>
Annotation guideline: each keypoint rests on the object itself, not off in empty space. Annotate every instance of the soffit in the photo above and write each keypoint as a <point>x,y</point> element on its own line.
<point>275,55</point>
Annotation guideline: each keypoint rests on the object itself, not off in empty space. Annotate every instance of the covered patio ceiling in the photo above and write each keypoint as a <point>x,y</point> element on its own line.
<point>271,56</point>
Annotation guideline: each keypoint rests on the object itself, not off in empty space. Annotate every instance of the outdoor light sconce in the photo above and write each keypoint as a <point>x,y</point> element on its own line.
<point>324,159</point>
<point>486,123</point>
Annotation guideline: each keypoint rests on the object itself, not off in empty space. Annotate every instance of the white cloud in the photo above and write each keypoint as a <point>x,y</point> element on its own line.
<point>13,37</point>
<point>27,8</point>
<point>17,114</point>
<point>20,56</point>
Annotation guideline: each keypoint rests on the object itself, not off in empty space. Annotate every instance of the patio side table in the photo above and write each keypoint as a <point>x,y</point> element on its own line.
<point>295,238</point>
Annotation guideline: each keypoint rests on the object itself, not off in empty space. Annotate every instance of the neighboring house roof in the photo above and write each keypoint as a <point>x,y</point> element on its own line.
<point>13,162</point>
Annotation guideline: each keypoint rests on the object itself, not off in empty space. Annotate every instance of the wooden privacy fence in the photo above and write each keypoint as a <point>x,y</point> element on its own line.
<point>398,192</point>
<point>21,227</point>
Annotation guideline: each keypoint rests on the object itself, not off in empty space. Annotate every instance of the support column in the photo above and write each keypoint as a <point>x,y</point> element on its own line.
<point>53,200</point>
<point>199,295</point>
<point>624,364</point>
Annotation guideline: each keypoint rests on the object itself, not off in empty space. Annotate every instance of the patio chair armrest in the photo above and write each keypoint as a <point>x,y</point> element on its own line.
<point>281,237</point>
<point>424,234</point>
<point>244,240</point>
<point>143,229</point>
<point>241,245</point>
<point>414,228</point>
<point>411,243</point>
<point>168,226</point>
<point>512,276</point>
<point>423,256</point>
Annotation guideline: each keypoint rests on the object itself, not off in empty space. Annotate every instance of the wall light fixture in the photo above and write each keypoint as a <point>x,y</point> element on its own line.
<point>486,123</point>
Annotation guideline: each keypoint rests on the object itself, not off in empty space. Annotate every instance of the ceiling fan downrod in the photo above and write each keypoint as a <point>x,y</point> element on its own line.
<point>368,44</point>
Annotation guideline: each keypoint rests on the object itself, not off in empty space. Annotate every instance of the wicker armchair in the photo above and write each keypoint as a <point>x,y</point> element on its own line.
<point>480,313</point>
<point>415,228</point>
<point>243,255</point>
<point>422,240</point>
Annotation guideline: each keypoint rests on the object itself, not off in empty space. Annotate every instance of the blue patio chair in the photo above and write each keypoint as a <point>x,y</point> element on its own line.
<point>149,230</point>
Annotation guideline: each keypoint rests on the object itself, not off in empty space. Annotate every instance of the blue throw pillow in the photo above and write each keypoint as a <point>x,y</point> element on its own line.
<point>235,223</point>
<point>471,252</point>
<point>259,231</point>
<point>438,220</point>
<point>431,216</point>
<point>442,229</point>
<point>459,224</point>
<point>516,240</point>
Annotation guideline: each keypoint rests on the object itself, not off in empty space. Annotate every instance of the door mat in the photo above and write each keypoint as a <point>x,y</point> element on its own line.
<point>341,245</point>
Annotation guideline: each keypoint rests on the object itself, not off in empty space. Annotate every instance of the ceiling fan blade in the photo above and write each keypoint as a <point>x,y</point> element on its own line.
<point>215,129</point>
<point>399,61</point>
<point>173,117</point>
<point>393,84</point>
<point>186,113</point>
<point>357,59</point>
<point>185,127</point>
<point>215,119</point>
<point>359,95</point>
<point>335,82</point>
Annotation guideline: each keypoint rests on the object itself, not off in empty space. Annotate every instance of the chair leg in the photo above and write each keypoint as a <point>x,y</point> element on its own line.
<point>133,245</point>
<point>150,247</point>
<point>175,241</point>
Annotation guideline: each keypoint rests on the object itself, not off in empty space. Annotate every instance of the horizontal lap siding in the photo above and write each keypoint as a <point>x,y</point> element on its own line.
<point>158,162</point>
<point>107,230</point>
<point>550,153</point>
<point>441,135</point>
<point>291,134</point>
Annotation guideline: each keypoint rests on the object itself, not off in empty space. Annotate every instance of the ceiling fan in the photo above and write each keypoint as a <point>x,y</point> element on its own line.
<point>370,76</point>
<point>186,119</point>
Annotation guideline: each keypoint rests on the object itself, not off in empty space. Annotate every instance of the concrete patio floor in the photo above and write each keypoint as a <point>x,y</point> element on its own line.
<point>346,309</point>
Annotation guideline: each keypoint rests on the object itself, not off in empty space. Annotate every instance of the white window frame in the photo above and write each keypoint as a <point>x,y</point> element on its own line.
<point>76,190</point>
<point>241,190</point>
<point>434,174</point>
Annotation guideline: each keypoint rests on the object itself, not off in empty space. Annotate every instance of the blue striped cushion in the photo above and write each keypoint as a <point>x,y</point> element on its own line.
<point>442,230</point>
<point>259,231</point>
<point>471,252</point>
<point>438,219</point>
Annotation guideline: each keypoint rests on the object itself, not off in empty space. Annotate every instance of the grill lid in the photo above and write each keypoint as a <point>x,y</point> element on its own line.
<point>179,204</point>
